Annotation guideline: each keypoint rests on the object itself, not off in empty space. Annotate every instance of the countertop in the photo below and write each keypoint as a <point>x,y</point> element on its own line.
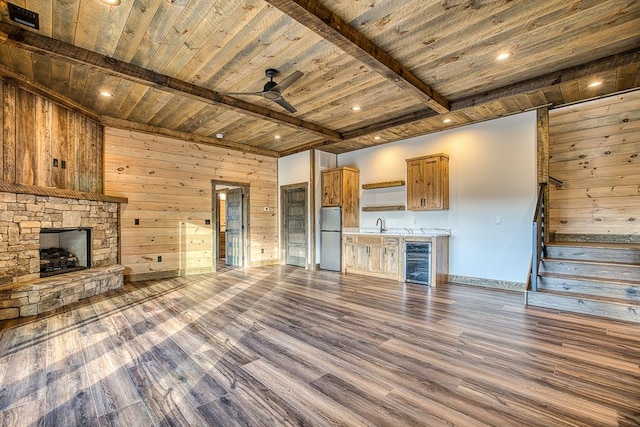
<point>402,232</point>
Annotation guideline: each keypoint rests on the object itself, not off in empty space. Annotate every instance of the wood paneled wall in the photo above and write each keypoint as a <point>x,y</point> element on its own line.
<point>168,184</point>
<point>35,131</point>
<point>594,150</point>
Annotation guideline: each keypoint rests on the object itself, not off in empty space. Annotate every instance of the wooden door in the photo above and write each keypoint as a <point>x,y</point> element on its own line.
<point>234,232</point>
<point>295,226</point>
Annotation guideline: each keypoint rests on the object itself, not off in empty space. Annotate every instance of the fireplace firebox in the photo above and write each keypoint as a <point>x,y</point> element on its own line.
<point>64,250</point>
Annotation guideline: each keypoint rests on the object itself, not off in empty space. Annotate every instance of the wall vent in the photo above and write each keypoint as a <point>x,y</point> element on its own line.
<point>23,16</point>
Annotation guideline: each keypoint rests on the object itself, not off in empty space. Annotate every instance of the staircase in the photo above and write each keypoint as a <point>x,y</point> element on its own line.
<point>600,279</point>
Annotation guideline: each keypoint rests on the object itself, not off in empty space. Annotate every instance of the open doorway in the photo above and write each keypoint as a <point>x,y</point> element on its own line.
<point>231,223</point>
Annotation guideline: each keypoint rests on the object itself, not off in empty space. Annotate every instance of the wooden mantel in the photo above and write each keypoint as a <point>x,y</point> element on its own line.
<point>57,192</point>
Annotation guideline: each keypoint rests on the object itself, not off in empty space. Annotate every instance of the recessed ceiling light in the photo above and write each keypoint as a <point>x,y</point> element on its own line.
<point>277,137</point>
<point>356,108</point>
<point>377,138</point>
<point>502,56</point>
<point>111,2</point>
<point>594,84</point>
<point>219,135</point>
<point>446,121</point>
<point>106,94</point>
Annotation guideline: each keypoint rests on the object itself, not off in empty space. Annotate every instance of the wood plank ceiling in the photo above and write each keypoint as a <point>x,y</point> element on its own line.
<point>409,64</point>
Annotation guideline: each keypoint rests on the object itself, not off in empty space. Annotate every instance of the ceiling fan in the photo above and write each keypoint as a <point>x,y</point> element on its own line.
<point>273,90</point>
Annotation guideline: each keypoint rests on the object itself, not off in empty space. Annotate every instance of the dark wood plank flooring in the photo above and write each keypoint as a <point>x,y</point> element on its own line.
<point>279,346</point>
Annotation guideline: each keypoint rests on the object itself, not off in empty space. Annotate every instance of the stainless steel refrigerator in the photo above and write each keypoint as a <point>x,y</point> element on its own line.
<point>330,238</point>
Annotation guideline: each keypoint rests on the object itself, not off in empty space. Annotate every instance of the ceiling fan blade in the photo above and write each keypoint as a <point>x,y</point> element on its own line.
<point>291,79</point>
<point>284,104</point>
<point>241,93</point>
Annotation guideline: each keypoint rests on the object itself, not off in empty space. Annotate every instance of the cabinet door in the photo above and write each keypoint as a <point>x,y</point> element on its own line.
<point>391,256</point>
<point>363,257</point>
<point>376,253</point>
<point>349,253</point>
<point>415,184</point>
<point>332,188</point>
<point>428,183</point>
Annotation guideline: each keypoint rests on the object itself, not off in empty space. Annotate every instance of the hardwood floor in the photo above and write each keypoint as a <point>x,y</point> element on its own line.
<point>279,346</point>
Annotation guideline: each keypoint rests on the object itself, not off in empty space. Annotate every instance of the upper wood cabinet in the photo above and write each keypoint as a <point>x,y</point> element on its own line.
<point>428,183</point>
<point>341,187</point>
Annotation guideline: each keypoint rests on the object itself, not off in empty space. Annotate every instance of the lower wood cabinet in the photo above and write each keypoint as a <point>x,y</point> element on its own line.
<point>383,256</point>
<point>376,255</point>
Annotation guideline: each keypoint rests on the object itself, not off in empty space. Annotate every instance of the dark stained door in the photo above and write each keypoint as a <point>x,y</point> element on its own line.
<point>295,226</point>
<point>234,252</point>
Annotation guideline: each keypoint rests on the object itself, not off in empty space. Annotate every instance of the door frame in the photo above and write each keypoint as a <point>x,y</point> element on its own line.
<point>246,241</point>
<point>283,209</point>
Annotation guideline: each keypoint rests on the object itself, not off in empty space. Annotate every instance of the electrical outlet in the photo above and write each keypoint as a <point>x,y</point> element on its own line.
<point>207,222</point>
<point>136,221</point>
<point>55,163</point>
<point>159,258</point>
<point>262,250</point>
<point>63,164</point>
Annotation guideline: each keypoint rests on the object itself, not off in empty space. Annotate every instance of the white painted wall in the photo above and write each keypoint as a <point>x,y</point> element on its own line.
<point>492,174</point>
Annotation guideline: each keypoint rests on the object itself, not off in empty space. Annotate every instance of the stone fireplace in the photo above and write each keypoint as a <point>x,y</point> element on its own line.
<point>64,250</point>
<point>83,226</point>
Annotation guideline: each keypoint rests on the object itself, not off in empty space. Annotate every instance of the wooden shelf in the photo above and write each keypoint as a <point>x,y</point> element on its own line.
<point>383,208</point>
<point>58,192</point>
<point>385,184</point>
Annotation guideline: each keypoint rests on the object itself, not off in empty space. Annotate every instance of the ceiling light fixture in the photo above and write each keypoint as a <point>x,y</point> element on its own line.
<point>356,108</point>
<point>277,137</point>
<point>377,138</point>
<point>106,94</point>
<point>502,56</point>
<point>594,84</point>
<point>446,121</point>
<point>219,135</point>
<point>111,2</point>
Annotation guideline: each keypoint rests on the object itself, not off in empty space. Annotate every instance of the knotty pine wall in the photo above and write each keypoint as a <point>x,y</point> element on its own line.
<point>168,184</point>
<point>35,131</point>
<point>594,150</point>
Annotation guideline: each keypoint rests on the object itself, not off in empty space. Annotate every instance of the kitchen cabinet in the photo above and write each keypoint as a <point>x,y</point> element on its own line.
<point>373,255</point>
<point>341,187</point>
<point>383,255</point>
<point>428,183</point>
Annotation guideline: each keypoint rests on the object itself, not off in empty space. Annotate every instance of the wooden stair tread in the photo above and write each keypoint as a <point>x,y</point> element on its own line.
<point>585,261</point>
<point>589,297</point>
<point>596,245</point>
<point>621,282</point>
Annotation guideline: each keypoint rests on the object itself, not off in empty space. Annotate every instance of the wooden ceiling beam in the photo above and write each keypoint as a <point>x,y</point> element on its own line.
<point>67,52</point>
<point>334,29</point>
<point>382,125</point>
<point>592,68</point>
<point>577,72</point>
<point>379,126</point>
<point>185,136</point>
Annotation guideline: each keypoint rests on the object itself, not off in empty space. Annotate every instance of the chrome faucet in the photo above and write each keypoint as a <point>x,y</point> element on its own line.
<point>379,220</point>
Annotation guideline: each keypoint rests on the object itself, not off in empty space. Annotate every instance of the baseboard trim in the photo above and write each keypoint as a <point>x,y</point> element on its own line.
<point>487,283</point>
<point>139,277</point>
